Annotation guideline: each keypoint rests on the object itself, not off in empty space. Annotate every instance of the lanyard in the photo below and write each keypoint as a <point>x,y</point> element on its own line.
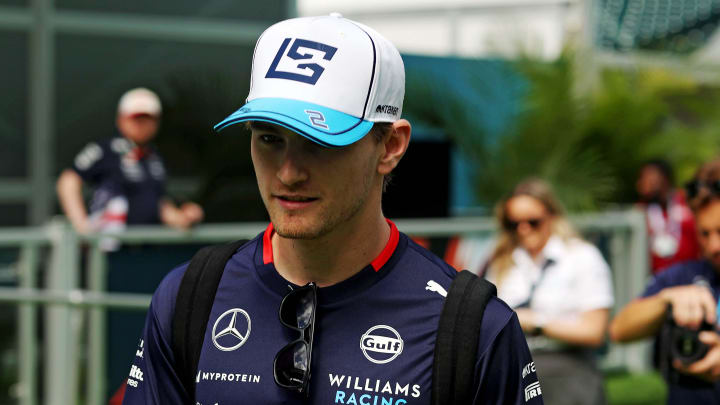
<point>533,287</point>
<point>659,224</point>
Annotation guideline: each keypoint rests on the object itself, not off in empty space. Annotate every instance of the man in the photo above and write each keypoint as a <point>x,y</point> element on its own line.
<point>324,113</point>
<point>128,175</point>
<point>671,227</point>
<point>690,291</point>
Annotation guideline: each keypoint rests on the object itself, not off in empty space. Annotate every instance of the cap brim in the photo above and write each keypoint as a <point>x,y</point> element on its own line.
<point>320,124</point>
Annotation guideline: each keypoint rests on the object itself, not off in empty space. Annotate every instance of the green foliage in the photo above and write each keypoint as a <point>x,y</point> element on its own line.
<point>547,140</point>
<point>590,146</point>
<point>635,389</point>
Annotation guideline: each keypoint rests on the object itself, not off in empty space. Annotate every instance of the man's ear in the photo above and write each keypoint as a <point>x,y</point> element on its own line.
<point>396,143</point>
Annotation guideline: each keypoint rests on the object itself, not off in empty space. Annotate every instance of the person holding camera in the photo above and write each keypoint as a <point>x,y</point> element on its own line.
<point>679,306</point>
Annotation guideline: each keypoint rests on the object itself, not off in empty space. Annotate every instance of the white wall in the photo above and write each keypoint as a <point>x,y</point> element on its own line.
<point>468,28</point>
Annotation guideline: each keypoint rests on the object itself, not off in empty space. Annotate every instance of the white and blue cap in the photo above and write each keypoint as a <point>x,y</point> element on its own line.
<point>327,78</point>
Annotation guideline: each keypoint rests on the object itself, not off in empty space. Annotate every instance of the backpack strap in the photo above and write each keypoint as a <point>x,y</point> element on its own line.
<point>457,339</point>
<point>192,308</point>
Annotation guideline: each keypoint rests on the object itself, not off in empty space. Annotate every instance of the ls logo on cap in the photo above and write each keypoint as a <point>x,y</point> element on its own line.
<point>317,70</point>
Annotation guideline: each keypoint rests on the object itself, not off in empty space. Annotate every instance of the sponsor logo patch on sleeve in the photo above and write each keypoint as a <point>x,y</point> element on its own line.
<point>533,390</point>
<point>529,368</point>
<point>136,375</point>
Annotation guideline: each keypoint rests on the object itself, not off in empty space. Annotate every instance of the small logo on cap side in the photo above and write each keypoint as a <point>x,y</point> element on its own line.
<point>387,109</point>
<point>317,119</point>
<point>317,70</point>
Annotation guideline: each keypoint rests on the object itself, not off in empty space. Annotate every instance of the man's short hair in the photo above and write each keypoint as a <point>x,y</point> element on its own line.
<point>707,174</point>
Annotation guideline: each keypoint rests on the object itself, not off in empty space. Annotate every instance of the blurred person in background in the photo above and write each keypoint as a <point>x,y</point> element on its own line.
<point>670,223</point>
<point>560,287</point>
<point>127,174</point>
<point>685,296</point>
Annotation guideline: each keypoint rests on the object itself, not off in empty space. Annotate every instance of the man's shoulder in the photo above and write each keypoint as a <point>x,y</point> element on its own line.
<point>497,313</point>
<point>114,145</point>
<point>689,265</point>
<point>680,274</point>
<point>684,272</point>
<point>165,296</point>
<point>425,260</point>
<point>166,293</point>
<point>119,145</point>
<point>91,154</point>
<point>496,318</point>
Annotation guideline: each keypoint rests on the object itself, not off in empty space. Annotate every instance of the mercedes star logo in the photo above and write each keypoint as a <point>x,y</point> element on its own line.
<point>234,338</point>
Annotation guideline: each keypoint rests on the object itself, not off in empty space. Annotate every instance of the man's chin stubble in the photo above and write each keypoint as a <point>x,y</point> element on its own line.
<point>297,234</point>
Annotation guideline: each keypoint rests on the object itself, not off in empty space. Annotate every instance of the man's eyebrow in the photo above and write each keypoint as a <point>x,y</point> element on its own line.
<point>262,126</point>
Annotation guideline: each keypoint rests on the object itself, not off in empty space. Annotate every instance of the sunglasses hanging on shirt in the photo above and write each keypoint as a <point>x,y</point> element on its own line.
<point>291,367</point>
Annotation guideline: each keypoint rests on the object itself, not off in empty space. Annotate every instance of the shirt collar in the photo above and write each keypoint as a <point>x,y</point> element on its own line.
<point>554,250</point>
<point>376,264</point>
<point>377,269</point>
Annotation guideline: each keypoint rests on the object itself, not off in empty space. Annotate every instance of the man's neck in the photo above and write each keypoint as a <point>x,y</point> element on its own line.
<point>334,257</point>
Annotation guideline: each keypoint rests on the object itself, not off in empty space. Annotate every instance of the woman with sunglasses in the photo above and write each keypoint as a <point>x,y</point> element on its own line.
<point>560,287</point>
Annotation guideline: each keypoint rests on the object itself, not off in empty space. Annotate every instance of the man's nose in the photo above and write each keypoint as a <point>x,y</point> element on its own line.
<point>292,170</point>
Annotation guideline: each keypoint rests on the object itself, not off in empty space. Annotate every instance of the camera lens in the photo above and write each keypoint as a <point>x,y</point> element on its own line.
<point>686,346</point>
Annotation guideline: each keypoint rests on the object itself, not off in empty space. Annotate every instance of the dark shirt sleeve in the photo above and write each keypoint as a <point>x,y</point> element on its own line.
<point>506,371</point>
<point>673,276</point>
<point>91,162</point>
<point>153,378</point>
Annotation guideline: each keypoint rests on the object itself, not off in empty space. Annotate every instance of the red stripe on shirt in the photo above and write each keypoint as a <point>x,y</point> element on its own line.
<point>389,249</point>
<point>267,245</point>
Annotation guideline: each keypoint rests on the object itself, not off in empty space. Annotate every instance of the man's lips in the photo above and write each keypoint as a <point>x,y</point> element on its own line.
<point>294,202</point>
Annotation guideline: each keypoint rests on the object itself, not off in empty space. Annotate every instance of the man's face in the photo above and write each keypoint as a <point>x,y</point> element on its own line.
<point>139,128</point>
<point>651,185</point>
<point>310,190</point>
<point>708,229</point>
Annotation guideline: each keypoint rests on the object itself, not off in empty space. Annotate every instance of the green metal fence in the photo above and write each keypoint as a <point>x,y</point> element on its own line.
<point>72,312</point>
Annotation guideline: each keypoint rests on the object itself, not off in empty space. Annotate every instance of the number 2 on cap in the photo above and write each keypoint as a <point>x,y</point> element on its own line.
<point>317,119</point>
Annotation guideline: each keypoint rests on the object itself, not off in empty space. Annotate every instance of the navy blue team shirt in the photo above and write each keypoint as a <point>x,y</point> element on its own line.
<point>373,341</point>
<point>689,390</point>
<point>117,167</point>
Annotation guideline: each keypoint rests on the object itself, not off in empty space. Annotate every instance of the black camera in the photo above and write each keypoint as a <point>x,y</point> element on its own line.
<point>681,343</point>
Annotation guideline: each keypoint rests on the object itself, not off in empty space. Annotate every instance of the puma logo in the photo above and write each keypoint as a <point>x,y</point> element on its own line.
<point>434,286</point>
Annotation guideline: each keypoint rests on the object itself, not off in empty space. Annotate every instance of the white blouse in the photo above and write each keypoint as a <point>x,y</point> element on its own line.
<point>567,279</point>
